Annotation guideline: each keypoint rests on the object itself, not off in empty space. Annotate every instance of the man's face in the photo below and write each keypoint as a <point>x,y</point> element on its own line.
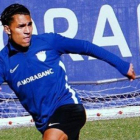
<point>20,30</point>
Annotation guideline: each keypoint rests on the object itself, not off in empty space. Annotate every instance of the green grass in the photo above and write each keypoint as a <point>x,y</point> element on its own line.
<point>119,129</point>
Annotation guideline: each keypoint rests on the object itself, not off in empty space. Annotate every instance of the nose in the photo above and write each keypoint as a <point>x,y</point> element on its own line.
<point>27,30</point>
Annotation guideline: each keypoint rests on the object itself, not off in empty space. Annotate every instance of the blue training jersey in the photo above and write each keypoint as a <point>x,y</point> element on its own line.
<point>38,76</point>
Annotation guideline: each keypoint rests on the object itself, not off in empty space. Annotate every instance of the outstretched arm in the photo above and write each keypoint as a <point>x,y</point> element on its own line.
<point>67,45</point>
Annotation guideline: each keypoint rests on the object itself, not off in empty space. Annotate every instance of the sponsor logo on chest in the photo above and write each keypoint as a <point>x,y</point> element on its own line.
<point>35,77</point>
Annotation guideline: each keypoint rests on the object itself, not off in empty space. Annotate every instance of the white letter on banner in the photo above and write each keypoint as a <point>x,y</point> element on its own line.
<point>107,13</point>
<point>1,36</point>
<point>138,15</point>
<point>34,28</point>
<point>72,24</point>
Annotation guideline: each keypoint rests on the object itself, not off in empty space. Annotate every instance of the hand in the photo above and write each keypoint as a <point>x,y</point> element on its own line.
<point>131,73</point>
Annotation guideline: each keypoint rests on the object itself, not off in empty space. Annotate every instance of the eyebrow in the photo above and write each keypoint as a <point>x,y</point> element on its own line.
<point>23,24</point>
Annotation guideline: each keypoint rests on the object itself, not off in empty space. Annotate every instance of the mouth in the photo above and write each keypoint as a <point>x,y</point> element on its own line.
<point>27,39</point>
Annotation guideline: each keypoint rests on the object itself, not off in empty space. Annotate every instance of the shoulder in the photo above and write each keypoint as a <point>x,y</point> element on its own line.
<point>4,52</point>
<point>44,36</point>
<point>3,58</point>
<point>49,38</point>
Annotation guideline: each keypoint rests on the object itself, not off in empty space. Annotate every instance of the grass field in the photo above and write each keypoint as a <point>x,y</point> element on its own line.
<point>119,129</point>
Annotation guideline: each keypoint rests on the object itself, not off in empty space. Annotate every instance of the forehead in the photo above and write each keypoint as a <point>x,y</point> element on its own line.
<point>21,19</point>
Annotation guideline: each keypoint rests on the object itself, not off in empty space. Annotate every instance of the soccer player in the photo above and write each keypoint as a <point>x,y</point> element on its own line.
<point>32,67</point>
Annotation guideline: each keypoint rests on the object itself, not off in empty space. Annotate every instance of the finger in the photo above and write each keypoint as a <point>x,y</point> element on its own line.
<point>132,76</point>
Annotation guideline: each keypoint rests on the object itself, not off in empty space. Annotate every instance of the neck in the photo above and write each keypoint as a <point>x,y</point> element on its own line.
<point>18,47</point>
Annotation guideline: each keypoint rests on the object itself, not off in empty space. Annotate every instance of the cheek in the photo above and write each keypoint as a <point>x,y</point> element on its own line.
<point>16,36</point>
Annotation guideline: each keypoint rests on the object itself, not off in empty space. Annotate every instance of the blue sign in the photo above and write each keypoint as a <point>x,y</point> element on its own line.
<point>113,25</point>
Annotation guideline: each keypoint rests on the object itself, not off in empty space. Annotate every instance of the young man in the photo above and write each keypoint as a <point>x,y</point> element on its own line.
<point>32,67</point>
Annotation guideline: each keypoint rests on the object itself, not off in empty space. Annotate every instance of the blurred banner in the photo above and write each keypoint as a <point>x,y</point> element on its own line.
<point>113,25</point>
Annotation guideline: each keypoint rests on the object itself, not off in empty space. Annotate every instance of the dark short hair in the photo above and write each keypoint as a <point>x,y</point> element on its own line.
<point>7,15</point>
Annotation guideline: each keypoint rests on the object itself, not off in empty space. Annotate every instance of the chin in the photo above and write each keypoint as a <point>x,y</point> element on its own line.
<point>26,45</point>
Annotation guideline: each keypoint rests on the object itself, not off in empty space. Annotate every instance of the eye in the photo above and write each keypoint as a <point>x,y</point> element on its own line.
<point>21,25</point>
<point>30,24</point>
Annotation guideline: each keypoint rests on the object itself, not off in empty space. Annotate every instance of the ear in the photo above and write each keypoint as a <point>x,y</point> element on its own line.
<point>7,29</point>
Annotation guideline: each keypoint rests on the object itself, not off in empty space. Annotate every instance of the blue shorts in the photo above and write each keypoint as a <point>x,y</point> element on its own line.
<point>70,119</point>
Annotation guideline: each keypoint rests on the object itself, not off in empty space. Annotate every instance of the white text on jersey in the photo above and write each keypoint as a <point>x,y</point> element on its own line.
<point>35,77</point>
